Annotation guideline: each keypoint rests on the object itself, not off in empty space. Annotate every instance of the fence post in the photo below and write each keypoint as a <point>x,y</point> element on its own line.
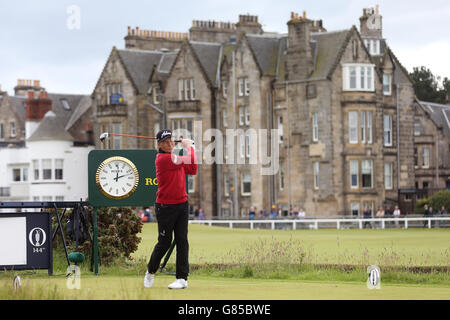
<point>251,225</point>
<point>360,223</point>
<point>382,224</point>
<point>316,225</point>
<point>429,223</point>
<point>338,224</point>
<point>273,225</point>
<point>294,225</point>
<point>406,223</point>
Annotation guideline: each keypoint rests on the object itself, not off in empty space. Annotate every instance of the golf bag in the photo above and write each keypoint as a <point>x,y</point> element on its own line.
<point>77,228</point>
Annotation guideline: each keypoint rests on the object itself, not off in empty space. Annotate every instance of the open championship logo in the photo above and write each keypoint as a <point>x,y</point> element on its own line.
<point>37,237</point>
<point>373,281</point>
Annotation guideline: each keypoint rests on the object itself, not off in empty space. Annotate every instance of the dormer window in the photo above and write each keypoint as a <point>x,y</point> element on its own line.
<point>373,46</point>
<point>65,104</point>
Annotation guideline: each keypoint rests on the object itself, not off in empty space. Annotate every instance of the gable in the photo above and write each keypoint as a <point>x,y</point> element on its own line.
<point>329,47</point>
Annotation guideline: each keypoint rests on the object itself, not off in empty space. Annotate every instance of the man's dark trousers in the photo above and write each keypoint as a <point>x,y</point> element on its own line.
<point>172,218</point>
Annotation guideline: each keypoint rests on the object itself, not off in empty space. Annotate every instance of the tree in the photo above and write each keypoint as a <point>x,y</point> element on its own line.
<point>426,86</point>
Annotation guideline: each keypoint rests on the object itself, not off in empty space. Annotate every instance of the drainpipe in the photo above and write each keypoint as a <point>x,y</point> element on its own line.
<point>398,144</point>
<point>235,177</point>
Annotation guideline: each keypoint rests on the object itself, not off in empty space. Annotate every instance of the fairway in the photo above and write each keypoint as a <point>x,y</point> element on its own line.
<point>125,288</point>
<point>399,247</point>
<point>224,246</point>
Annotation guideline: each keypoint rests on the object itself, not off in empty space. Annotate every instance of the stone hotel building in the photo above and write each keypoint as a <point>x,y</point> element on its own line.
<point>352,133</point>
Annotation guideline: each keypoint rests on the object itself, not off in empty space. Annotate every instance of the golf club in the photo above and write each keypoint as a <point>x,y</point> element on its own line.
<point>106,135</point>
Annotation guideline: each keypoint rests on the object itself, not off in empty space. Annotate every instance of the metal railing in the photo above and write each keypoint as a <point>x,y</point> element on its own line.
<point>378,223</point>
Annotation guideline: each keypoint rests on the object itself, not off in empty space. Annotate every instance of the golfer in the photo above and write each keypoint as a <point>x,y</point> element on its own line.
<point>171,207</point>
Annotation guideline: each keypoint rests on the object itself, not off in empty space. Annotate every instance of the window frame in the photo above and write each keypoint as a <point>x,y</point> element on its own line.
<point>45,169</point>
<point>389,131</point>
<point>390,185</point>
<point>243,181</point>
<point>353,173</point>
<point>315,127</point>
<point>247,115</point>
<point>246,87</point>
<point>56,168</point>
<point>12,129</point>
<point>316,172</point>
<point>241,116</point>
<point>425,159</point>
<point>353,127</point>
<point>352,77</point>
<point>389,84</point>
<point>364,174</point>
<point>241,87</point>
<point>280,128</point>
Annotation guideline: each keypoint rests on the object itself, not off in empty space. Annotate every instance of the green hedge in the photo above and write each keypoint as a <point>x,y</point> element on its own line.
<point>439,199</point>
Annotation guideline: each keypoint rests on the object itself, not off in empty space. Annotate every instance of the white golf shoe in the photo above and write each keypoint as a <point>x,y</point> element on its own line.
<point>178,284</point>
<point>148,280</point>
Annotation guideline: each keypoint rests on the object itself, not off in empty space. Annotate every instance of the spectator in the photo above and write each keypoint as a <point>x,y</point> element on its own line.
<point>263,213</point>
<point>196,213</point>
<point>201,214</point>
<point>441,212</point>
<point>273,212</point>
<point>367,214</point>
<point>252,213</point>
<point>380,213</point>
<point>301,213</point>
<point>397,214</point>
<point>388,214</point>
<point>148,215</point>
<point>426,215</point>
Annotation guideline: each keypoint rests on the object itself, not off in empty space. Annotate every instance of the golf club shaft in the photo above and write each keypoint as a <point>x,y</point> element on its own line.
<point>133,136</point>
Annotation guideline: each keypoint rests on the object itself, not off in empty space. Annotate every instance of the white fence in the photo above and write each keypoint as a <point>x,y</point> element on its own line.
<point>380,223</point>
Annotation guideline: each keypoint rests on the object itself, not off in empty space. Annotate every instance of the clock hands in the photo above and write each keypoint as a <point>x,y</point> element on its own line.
<point>123,176</point>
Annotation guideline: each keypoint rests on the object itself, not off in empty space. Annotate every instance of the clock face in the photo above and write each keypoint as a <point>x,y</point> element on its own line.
<point>117,177</point>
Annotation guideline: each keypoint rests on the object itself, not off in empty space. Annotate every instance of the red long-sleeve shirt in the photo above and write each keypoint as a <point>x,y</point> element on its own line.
<point>170,174</point>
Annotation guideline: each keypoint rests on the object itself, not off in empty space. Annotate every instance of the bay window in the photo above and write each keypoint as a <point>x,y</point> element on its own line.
<point>363,82</point>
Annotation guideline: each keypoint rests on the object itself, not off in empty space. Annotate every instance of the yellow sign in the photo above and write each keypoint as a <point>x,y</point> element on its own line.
<point>151,182</point>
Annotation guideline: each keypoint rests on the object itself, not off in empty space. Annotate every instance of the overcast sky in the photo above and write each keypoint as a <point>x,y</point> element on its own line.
<point>40,40</point>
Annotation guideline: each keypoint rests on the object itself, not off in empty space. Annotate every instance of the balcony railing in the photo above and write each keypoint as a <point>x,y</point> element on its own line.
<point>183,106</point>
<point>112,110</point>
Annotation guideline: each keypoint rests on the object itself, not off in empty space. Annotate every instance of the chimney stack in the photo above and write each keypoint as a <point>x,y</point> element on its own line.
<point>249,24</point>
<point>37,106</point>
<point>299,62</point>
<point>24,86</point>
<point>371,23</point>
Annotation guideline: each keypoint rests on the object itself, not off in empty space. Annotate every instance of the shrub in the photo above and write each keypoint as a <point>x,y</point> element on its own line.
<point>439,199</point>
<point>420,205</point>
<point>117,234</point>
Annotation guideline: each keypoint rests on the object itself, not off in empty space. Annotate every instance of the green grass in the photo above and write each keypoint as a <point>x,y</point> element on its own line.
<point>210,288</point>
<point>411,247</point>
<point>265,264</point>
